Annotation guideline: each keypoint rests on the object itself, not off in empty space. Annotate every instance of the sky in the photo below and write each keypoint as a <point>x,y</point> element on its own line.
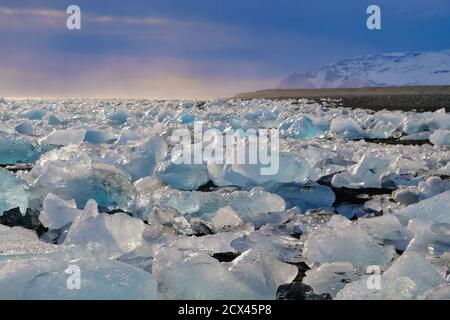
<point>197,48</point>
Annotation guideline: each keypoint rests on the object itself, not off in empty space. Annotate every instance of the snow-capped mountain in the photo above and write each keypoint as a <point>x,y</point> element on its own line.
<point>391,69</point>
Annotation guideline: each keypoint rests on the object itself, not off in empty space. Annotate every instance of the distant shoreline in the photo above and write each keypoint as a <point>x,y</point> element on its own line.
<point>408,98</point>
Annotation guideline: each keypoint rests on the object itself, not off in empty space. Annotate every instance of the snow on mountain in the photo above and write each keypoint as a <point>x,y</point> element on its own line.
<point>391,69</point>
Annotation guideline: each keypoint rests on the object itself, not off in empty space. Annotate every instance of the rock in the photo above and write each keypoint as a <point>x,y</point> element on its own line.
<point>299,291</point>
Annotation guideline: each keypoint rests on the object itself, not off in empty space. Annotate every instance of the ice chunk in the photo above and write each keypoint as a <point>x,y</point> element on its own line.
<point>164,221</point>
<point>248,205</point>
<point>185,117</point>
<point>346,126</point>
<point>183,176</point>
<point>46,277</point>
<point>413,266</point>
<point>65,137</point>
<point>25,128</point>
<point>440,293</point>
<point>211,243</point>
<point>15,149</point>
<point>330,277</point>
<point>407,278</point>
<point>352,211</point>
<point>435,209</point>
<point>254,266</point>
<point>290,169</point>
<point>387,229</point>
<point>304,197</point>
<point>226,219</point>
<point>407,196</point>
<point>440,137</point>
<point>35,114</point>
<point>53,120</point>
<point>431,187</point>
<point>430,238</point>
<point>120,117</point>
<point>13,192</point>
<point>106,235</point>
<point>140,159</point>
<point>99,280</point>
<point>57,213</point>
<point>367,173</point>
<point>197,275</point>
<point>302,128</point>
<point>70,173</point>
<point>281,247</point>
<point>20,241</point>
<point>99,136</point>
<point>341,240</point>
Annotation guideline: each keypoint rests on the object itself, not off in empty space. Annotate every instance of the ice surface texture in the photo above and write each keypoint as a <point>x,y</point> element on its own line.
<point>356,191</point>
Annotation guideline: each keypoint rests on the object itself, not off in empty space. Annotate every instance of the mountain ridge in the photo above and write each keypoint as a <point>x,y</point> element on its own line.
<point>380,70</point>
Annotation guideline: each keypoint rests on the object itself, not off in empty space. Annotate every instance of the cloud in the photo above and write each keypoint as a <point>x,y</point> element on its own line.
<point>41,16</point>
<point>158,78</point>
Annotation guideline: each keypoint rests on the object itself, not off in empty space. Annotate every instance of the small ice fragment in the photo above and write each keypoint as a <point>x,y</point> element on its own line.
<point>226,219</point>
<point>65,137</point>
<point>57,213</point>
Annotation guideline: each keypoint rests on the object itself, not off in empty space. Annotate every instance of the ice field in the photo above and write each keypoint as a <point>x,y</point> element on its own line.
<point>359,208</point>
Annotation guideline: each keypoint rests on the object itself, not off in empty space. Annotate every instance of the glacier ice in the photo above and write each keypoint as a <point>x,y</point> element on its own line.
<point>100,176</point>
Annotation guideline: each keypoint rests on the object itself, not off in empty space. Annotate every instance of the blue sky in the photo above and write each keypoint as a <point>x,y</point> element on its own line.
<point>197,48</point>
